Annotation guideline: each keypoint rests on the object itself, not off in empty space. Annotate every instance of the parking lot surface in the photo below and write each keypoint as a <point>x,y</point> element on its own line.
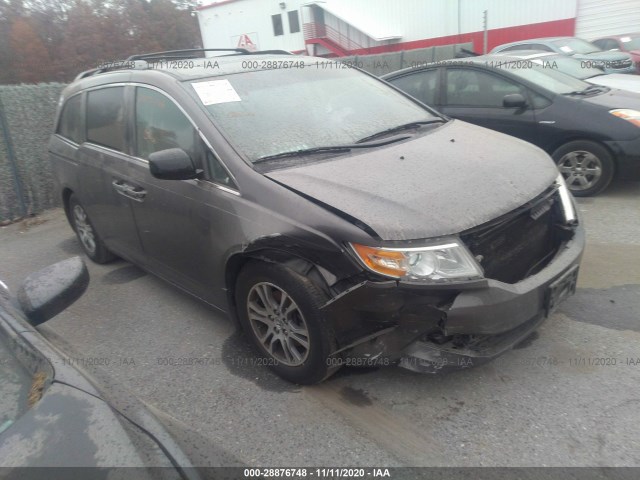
<point>569,395</point>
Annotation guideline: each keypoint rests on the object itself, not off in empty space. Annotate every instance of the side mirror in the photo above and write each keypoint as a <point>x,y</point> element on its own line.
<point>48,292</point>
<point>514,100</point>
<point>172,164</point>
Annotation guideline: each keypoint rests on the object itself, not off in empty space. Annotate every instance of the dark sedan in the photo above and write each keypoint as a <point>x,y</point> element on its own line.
<point>591,131</point>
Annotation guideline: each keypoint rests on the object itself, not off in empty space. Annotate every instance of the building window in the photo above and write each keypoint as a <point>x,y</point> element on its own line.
<point>294,22</point>
<point>277,24</point>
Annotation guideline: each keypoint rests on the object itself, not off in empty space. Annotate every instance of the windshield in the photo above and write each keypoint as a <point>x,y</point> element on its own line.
<point>631,43</point>
<point>570,66</point>
<point>268,112</point>
<point>575,45</point>
<point>549,78</point>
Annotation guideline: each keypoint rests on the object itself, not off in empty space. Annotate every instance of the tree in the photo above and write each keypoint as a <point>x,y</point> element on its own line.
<point>30,60</point>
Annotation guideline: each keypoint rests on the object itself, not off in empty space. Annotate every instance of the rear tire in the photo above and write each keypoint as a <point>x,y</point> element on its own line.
<point>586,166</point>
<point>89,239</point>
<point>279,310</point>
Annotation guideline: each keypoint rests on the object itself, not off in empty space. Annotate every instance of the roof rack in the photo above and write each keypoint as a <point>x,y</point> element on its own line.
<point>141,61</point>
<point>109,66</point>
<point>196,53</point>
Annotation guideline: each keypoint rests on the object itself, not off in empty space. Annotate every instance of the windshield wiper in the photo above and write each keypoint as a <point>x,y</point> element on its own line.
<point>327,149</point>
<point>589,90</point>
<point>399,128</point>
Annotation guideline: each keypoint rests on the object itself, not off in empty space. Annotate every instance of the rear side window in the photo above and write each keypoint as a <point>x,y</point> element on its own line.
<point>420,85</point>
<point>70,125</point>
<point>106,117</point>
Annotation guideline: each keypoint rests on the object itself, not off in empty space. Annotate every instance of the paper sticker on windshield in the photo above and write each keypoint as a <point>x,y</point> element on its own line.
<point>566,49</point>
<point>625,39</point>
<point>216,91</point>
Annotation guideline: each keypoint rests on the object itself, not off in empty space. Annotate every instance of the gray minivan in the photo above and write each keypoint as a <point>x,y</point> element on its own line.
<point>339,220</point>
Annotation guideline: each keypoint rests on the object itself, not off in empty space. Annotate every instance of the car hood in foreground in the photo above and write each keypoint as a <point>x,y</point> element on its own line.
<point>454,178</point>
<point>623,81</point>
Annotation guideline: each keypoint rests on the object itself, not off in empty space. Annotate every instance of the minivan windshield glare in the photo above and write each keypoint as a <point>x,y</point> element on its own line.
<point>269,112</point>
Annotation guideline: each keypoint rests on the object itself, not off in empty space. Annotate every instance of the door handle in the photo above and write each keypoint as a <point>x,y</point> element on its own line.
<point>120,186</point>
<point>135,193</point>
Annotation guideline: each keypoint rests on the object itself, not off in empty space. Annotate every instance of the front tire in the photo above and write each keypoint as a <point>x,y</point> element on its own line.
<point>89,239</point>
<point>279,310</point>
<point>586,166</point>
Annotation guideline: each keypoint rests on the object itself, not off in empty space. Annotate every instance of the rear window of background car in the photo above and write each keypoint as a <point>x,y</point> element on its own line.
<point>106,117</point>
<point>70,125</point>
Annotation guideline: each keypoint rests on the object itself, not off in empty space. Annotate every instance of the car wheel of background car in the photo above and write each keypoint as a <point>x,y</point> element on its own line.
<point>89,240</point>
<point>280,310</point>
<point>587,167</point>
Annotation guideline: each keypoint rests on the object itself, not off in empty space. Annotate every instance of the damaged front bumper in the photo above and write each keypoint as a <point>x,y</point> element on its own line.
<point>431,328</point>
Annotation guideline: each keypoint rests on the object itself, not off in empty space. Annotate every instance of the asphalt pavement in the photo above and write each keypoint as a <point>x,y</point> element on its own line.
<point>569,395</point>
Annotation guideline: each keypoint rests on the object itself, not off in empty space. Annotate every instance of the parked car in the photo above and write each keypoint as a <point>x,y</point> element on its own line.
<point>591,131</point>
<point>340,220</point>
<point>610,62</point>
<point>629,43</point>
<point>577,69</point>
<point>54,415</point>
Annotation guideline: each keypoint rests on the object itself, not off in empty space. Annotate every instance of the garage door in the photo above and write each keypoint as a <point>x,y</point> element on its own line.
<point>598,18</point>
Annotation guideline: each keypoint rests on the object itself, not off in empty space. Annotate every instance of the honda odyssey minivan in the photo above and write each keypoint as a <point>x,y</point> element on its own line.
<point>337,219</point>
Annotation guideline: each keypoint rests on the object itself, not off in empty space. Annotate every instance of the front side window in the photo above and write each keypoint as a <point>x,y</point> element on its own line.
<point>277,25</point>
<point>420,85</point>
<point>267,112</point>
<point>549,78</point>
<point>161,125</point>
<point>470,87</point>
<point>70,125</point>
<point>106,117</point>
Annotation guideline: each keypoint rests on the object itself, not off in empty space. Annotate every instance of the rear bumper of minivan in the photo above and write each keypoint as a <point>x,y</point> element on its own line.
<point>430,329</point>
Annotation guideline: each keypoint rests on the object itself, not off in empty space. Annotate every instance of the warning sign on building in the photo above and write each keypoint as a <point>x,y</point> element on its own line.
<point>248,41</point>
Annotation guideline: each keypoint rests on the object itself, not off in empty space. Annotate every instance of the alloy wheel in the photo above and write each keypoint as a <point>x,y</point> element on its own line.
<point>84,229</point>
<point>580,169</point>
<point>278,324</point>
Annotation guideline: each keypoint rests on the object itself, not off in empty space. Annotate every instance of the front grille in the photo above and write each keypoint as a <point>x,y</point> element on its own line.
<point>519,244</point>
<point>618,64</point>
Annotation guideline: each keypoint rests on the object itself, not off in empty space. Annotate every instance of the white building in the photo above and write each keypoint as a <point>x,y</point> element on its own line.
<point>347,27</point>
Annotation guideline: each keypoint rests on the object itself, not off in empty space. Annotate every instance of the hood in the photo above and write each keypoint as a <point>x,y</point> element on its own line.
<point>451,179</point>
<point>623,81</point>
<point>616,98</point>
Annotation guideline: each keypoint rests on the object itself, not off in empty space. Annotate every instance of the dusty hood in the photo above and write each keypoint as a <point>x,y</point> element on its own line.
<point>451,179</point>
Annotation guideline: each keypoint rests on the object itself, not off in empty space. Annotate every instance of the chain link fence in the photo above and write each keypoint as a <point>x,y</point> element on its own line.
<point>26,122</point>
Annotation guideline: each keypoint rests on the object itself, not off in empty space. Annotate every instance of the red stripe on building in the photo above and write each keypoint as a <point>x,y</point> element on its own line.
<point>495,37</point>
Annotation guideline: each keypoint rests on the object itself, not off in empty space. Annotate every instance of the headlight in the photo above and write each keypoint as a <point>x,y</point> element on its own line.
<point>565,198</point>
<point>627,114</point>
<point>447,260</point>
